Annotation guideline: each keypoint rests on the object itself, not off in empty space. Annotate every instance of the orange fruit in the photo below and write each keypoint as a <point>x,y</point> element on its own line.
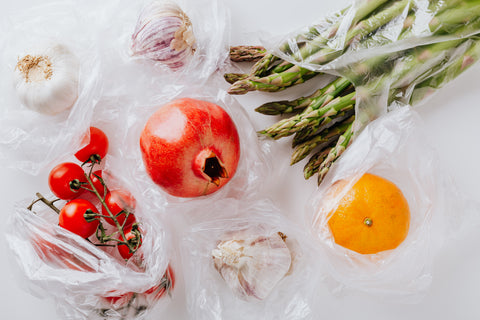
<point>373,216</point>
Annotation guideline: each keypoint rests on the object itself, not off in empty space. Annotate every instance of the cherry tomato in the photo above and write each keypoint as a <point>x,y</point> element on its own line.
<point>122,248</point>
<point>166,285</point>
<point>97,146</point>
<point>117,201</point>
<point>153,294</point>
<point>65,179</point>
<point>119,301</point>
<point>97,183</point>
<point>57,256</point>
<point>72,218</point>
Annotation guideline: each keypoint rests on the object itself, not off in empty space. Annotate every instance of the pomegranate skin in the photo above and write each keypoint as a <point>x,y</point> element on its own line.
<point>190,147</point>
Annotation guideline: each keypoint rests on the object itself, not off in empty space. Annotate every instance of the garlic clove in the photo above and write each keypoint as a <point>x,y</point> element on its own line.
<point>252,265</point>
<point>163,33</point>
<point>46,80</point>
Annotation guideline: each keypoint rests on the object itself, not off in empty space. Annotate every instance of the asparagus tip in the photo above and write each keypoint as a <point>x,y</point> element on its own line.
<point>234,77</point>
<point>240,87</point>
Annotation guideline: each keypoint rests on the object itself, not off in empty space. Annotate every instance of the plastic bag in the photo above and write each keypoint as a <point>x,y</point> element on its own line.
<point>29,140</point>
<point>209,24</point>
<point>253,167</point>
<point>86,281</point>
<point>394,52</point>
<point>99,34</point>
<point>393,148</point>
<point>252,236</point>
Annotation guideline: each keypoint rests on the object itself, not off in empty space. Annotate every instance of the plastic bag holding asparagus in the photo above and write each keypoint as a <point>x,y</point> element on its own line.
<point>384,54</point>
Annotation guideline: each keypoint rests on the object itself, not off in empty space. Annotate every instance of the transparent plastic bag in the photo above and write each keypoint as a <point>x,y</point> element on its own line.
<point>393,52</point>
<point>29,140</point>
<point>392,147</point>
<point>252,234</point>
<point>86,281</point>
<point>99,35</point>
<point>210,24</point>
<point>253,168</point>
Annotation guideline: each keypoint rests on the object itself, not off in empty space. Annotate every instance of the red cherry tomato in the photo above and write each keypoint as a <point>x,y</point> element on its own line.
<point>119,301</point>
<point>72,218</point>
<point>122,248</point>
<point>153,294</point>
<point>65,179</point>
<point>97,146</point>
<point>97,183</point>
<point>166,285</point>
<point>117,201</point>
<point>57,256</point>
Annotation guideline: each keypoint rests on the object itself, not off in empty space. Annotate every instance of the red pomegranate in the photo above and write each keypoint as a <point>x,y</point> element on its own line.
<point>190,147</point>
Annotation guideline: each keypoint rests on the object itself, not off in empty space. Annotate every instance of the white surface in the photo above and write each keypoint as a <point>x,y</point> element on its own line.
<point>451,116</point>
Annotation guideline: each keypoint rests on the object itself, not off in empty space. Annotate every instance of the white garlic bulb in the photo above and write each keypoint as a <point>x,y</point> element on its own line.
<point>47,79</point>
<point>163,33</point>
<point>252,265</point>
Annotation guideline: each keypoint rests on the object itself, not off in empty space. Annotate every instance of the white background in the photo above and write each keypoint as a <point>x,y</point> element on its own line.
<point>451,117</point>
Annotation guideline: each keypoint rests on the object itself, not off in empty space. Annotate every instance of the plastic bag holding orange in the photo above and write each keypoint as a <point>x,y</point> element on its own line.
<point>355,241</point>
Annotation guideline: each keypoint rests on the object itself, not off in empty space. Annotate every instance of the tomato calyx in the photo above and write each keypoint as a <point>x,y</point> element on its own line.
<point>89,215</point>
<point>75,185</point>
<point>94,158</point>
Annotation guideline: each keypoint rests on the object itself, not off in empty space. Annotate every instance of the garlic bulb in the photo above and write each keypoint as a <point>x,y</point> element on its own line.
<point>47,80</point>
<point>252,265</point>
<point>163,33</point>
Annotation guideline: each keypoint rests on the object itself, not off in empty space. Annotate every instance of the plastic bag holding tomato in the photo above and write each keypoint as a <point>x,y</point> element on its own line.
<point>96,248</point>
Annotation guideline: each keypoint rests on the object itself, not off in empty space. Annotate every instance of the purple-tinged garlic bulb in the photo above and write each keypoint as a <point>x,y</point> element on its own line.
<point>164,33</point>
<point>252,265</point>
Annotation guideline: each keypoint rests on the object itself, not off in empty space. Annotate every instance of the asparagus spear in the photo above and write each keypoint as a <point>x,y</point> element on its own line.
<point>308,133</point>
<point>261,67</point>
<point>342,144</point>
<point>313,164</point>
<point>314,117</point>
<point>364,9</point>
<point>234,77</point>
<point>448,20</point>
<point>285,106</point>
<point>450,72</point>
<point>322,55</point>
<point>247,53</point>
<point>322,140</point>
<point>275,82</point>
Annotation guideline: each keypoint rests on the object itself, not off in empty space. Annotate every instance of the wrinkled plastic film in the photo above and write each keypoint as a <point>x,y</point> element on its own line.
<point>117,93</point>
<point>394,52</point>
<point>81,277</point>
<point>391,147</point>
<point>253,168</point>
<point>216,290</point>
<point>29,140</point>
<point>107,69</point>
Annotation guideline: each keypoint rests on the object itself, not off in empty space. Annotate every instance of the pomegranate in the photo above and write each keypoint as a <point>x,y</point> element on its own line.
<point>190,147</point>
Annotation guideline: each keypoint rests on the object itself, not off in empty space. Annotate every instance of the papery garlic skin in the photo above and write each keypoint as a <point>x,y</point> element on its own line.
<point>164,33</point>
<point>46,80</point>
<point>252,265</point>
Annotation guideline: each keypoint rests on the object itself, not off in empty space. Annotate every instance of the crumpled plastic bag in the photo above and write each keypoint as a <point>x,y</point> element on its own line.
<point>393,147</point>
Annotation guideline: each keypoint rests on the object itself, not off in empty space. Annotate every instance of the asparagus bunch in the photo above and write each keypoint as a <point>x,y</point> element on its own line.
<point>322,123</point>
<point>272,74</point>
